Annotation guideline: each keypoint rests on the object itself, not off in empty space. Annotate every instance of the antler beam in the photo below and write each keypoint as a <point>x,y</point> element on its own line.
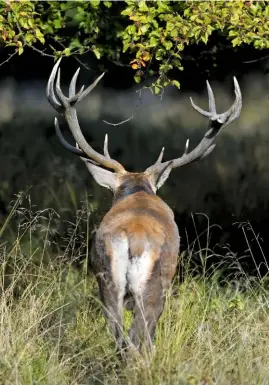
<point>66,106</point>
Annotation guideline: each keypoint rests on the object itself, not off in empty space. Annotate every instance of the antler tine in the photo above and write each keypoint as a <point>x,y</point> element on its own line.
<point>50,88</point>
<point>76,150</point>
<point>199,109</point>
<point>73,100</point>
<point>217,122</point>
<point>73,83</point>
<point>211,99</point>
<point>76,98</point>
<point>106,153</point>
<point>90,88</point>
<point>72,89</point>
<point>63,99</point>
<point>234,111</point>
<point>73,97</point>
<point>228,116</point>
<point>187,146</point>
<point>160,158</point>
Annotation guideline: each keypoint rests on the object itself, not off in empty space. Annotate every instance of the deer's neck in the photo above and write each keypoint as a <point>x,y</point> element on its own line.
<point>128,188</point>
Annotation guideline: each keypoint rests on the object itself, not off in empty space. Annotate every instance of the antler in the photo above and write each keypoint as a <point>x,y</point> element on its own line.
<point>66,106</point>
<point>207,144</point>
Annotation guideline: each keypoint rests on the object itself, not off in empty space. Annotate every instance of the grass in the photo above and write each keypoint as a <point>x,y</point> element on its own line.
<point>212,331</point>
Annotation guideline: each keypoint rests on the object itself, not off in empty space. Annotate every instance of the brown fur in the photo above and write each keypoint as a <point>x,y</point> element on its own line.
<point>143,219</point>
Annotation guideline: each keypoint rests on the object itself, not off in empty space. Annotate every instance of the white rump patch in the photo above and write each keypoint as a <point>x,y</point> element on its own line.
<point>139,270</point>
<point>130,272</point>
<point>119,266</point>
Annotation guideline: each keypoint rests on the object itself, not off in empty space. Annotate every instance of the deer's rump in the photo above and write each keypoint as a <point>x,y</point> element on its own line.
<point>134,248</point>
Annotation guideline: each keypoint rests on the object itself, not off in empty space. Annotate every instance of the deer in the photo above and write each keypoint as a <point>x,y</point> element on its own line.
<point>135,251</point>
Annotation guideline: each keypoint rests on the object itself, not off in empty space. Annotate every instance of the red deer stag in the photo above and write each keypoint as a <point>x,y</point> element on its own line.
<point>135,251</point>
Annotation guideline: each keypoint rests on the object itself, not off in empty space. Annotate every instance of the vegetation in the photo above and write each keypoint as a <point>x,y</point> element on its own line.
<point>213,331</point>
<point>149,36</point>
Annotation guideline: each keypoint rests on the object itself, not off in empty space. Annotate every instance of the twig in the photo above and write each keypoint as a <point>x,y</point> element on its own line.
<point>118,124</point>
<point>77,59</point>
<point>140,94</point>
<point>10,57</point>
<point>42,53</point>
<point>255,60</point>
<point>119,64</point>
<point>81,63</point>
<point>161,95</point>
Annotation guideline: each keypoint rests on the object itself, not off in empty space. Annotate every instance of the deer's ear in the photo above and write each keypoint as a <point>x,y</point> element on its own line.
<point>163,176</point>
<point>159,176</point>
<point>103,177</point>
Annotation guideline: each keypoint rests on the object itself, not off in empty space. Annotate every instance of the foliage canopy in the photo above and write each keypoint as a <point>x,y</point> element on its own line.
<point>148,36</point>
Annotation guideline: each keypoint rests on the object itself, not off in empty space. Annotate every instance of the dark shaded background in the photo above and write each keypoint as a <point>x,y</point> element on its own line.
<point>230,186</point>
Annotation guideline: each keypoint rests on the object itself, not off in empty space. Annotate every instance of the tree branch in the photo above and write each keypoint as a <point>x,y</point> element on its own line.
<point>10,57</point>
<point>42,53</point>
<point>82,64</point>
<point>119,64</point>
<point>31,46</point>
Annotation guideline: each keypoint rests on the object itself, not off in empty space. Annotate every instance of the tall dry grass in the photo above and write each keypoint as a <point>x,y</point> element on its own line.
<point>214,330</point>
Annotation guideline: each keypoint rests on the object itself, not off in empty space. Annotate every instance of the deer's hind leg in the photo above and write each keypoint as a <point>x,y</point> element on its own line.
<point>112,283</point>
<point>149,303</point>
<point>112,301</point>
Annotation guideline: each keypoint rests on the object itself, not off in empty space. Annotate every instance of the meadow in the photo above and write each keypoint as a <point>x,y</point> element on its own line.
<point>214,330</point>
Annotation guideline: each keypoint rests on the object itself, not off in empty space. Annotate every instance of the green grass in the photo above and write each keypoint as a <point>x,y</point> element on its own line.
<point>52,331</point>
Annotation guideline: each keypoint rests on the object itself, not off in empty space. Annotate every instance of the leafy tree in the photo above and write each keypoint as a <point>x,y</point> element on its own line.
<point>148,36</point>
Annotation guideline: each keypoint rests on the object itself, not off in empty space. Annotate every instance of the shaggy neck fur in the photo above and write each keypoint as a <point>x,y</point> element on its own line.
<point>131,187</point>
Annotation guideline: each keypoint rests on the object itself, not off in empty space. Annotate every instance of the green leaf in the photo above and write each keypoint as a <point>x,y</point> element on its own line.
<point>175,83</point>
<point>160,54</point>
<point>23,22</point>
<point>153,42</point>
<point>137,78</point>
<point>168,45</point>
<point>174,33</point>
<point>67,52</point>
<point>143,6</point>
<point>57,23</point>
<point>234,18</point>
<point>193,17</point>
<point>95,3</point>
<point>97,53</point>
<point>39,36</point>
<point>157,90</point>
<point>131,29</point>
<point>29,38</point>
<point>144,28</point>
<point>236,41</point>
<point>205,38</point>
<point>152,72</point>
<point>127,11</point>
